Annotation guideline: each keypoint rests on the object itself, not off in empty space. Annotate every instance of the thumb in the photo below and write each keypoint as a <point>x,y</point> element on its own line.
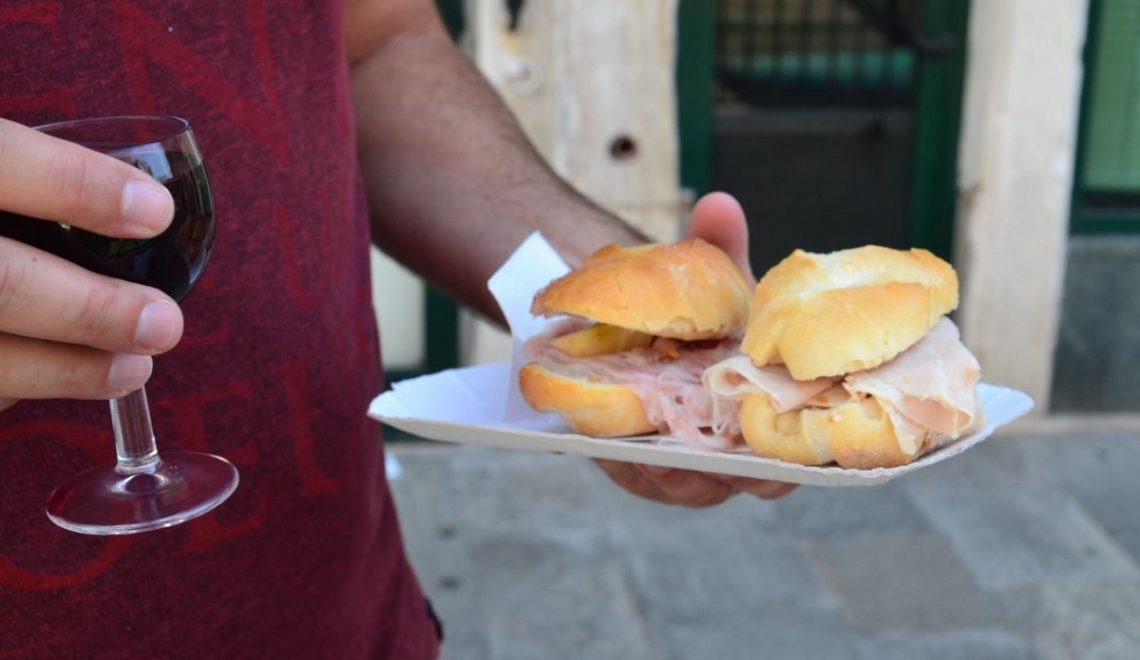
<point>718,218</point>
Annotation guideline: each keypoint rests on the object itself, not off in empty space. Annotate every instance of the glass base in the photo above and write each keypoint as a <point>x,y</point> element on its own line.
<point>180,486</point>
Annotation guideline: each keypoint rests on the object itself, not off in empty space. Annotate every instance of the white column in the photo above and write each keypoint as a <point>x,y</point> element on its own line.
<point>398,298</point>
<point>592,83</point>
<point>1016,161</point>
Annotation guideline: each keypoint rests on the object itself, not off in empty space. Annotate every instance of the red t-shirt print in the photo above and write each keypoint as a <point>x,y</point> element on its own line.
<point>275,372</point>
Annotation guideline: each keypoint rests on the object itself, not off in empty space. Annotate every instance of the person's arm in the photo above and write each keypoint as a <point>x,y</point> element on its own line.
<point>453,184</point>
<point>453,187</point>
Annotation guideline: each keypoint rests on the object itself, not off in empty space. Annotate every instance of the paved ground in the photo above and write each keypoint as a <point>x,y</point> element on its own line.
<point>1021,548</point>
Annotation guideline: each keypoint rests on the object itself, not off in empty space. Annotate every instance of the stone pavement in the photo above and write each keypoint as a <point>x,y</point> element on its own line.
<point>1021,548</point>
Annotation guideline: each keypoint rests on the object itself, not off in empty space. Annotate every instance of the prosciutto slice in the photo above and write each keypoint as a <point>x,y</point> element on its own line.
<point>930,385</point>
<point>928,390</point>
<point>665,377</point>
<point>738,376</point>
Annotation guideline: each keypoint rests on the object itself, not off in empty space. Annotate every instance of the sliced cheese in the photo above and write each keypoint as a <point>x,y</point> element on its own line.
<point>600,339</point>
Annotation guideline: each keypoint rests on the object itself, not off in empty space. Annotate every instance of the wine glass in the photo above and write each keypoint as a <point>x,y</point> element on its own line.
<point>141,491</point>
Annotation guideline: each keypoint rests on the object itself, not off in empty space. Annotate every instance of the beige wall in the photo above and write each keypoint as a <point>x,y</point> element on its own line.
<point>398,297</point>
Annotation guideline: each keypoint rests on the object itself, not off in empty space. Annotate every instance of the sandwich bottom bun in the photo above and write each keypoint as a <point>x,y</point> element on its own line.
<point>857,434</point>
<point>601,410</point>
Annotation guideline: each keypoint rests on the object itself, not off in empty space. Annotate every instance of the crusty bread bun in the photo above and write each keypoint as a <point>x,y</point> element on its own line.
<point>687,290</point>
<point>601,410</point>
<point>850,360</point>
<point>831,314</point>
<point>648,303</point>
<point>857,434</point>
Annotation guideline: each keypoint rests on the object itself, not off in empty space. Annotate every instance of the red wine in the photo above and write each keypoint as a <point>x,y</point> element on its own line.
<point>172,261</point>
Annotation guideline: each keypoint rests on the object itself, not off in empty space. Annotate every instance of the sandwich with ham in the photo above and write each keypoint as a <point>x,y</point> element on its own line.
<point>641,326</point>
<point>848,358</point>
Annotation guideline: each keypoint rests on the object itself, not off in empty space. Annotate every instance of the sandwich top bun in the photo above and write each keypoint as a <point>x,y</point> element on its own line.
<point>832,314</point>
<point>688,290</point>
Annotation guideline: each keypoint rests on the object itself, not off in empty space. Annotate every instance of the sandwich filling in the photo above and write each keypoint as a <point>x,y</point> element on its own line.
<point>664,373</point>
<point>928,391</point>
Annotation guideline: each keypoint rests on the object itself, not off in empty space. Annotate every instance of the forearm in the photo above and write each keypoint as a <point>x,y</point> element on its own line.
<point>453,185</point>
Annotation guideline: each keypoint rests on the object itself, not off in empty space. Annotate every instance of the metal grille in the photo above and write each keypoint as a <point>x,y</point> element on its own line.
<point>820,52</point>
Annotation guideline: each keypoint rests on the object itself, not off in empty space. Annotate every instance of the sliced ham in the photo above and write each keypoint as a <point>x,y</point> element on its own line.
<point>931,385</point>
<point>738,376</point>
<point>666,378</point>
<point>928,390</point>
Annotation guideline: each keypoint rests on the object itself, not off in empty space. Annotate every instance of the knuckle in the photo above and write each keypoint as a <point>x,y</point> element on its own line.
<point>74,182</point>
<point>13,153</point>
<point>12,278</point>
<point>81,377</point>
<point>633,483</point>
<point>779,493</point>
<point>97,319</point>
<point>708,498</point>
<point>86,374</point>
<point>623,479</point>
<point>6,149</point>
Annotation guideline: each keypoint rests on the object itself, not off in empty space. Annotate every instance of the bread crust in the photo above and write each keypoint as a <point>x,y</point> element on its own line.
<point>832,314</point>
<point>857,434</point>
<point>688,290</point>
<point>602,410</point>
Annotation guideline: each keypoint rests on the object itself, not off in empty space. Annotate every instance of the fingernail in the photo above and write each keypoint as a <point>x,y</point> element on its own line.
<point>147,206</point>
<point>128,372</point>
<point>159,325</point>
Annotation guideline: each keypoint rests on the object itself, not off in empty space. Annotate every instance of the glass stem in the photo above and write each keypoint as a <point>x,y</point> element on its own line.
<point>134,438</point>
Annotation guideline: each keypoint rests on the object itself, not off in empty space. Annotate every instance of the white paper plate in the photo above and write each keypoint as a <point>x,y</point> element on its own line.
<point>466,406</point>
<point>483,406</point>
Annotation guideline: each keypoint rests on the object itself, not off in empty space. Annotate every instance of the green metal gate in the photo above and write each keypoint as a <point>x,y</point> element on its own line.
<point>811,54</point>
<point>1106,192</point>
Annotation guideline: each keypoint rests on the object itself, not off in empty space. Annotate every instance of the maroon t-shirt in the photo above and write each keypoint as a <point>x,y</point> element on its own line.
<point>275,371</point>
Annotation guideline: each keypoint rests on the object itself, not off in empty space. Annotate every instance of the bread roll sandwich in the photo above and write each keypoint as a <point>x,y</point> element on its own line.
<point>849,358</point>
<point>643,325</point>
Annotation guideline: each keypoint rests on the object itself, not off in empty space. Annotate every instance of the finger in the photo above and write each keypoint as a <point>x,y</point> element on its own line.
<point>774,490</point>
<point>52,179</point>
<point>35,369</point>
<point>45,297</point>
<point>631,479</point>
<point>762,488</point>
<point>688,488</point>
<point>719,219</point>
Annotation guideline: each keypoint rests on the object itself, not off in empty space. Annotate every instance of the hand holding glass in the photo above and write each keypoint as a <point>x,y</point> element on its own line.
<point>141,491</point>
